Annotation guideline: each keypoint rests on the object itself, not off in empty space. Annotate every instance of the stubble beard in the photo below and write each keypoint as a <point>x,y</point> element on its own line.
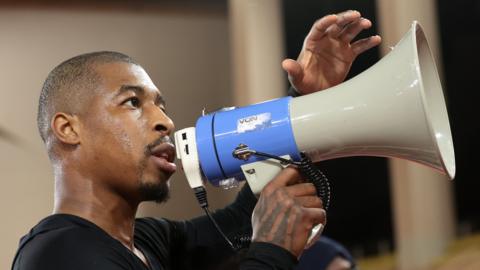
<point>157,190</point>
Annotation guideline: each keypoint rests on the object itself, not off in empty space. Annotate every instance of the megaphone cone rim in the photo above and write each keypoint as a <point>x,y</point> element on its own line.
<point>450,168</point>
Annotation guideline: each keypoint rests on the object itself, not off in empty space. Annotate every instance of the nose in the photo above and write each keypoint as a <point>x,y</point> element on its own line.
<point>161,123</point>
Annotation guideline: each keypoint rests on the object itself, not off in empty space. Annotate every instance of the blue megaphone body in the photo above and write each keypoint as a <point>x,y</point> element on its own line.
<point>265,127</point>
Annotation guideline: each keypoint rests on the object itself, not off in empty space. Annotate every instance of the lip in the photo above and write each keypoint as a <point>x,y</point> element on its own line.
<point>164,150</point>
<point>164,156</point>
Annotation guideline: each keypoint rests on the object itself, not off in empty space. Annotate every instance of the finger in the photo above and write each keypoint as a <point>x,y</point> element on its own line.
<point>344,20</point>
<point>347,17</point>
<point>352,30</point>
<point>310,201</point>
<point>286,177</point>
<point>320,27</point>
<point>303,189</point>
<point>294,70</point>
<point>362,45</point>
<point>315,215</point>
<point>334,30</point>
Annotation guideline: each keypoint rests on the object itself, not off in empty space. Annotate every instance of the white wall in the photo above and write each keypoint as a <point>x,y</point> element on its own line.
<point>186,55</point>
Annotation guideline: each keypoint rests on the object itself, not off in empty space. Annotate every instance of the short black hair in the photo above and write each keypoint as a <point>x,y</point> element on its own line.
<point>69,83</point>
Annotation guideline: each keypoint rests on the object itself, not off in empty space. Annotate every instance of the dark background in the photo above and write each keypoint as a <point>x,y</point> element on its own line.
<point>360,215</point>
<point>460,39</point>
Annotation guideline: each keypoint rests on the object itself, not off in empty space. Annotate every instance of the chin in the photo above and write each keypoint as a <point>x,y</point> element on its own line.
<point>158,191</point>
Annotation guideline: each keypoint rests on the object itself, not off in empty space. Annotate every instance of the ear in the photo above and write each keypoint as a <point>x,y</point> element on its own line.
<point>66,128</point>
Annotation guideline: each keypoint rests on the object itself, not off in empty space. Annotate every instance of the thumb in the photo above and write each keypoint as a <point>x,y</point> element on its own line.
<point>294,70</point>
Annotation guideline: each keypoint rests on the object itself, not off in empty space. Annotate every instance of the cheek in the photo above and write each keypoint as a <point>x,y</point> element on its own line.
<point>123,140</point>
<point>126,138</point>
<point>120,139</point>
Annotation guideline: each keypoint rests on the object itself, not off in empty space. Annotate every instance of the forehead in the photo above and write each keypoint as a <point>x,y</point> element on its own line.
<point>115,75</point>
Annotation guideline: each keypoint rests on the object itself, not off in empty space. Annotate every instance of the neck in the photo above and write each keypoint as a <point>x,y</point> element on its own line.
<point>83,197</point>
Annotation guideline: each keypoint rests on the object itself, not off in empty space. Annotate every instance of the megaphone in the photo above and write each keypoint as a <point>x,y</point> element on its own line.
<point>394,109</point>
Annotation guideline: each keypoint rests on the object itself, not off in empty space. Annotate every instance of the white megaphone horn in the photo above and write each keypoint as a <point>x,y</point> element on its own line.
<point>394,109</point>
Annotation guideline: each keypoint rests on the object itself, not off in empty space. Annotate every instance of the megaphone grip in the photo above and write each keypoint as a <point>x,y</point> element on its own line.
<point>306,167</point>
<point>318,179</point>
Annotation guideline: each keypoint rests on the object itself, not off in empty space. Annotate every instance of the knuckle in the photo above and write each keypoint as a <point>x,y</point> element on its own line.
<point>322,217</point>
<point>297,211</point>
<point>268,190</point>
<point>311,188</point>
<point>308,226</point>
<point>317,201</point>
<point>279,194</point>
<point>291,171</point>
<point>307,218</point>
<point>288,203</point>
<point>318,22</point>
<point>324,214</point>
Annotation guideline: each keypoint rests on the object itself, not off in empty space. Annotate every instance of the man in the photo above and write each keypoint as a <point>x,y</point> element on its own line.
<point>107,133</point>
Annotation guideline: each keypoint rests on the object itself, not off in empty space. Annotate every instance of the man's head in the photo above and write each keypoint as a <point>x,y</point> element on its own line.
<point>103,120</point>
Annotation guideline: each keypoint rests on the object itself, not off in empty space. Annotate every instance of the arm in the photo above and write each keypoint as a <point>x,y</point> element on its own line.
<point>286,211</point>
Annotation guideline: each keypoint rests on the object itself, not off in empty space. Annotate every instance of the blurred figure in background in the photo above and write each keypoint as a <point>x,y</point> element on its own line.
<point>326,254</point>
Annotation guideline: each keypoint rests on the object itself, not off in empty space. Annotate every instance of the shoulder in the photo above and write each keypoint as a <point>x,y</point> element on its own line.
<point>68,245</point>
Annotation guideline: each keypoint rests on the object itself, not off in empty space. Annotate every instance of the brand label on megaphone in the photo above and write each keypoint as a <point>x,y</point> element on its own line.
<point>254,122</point>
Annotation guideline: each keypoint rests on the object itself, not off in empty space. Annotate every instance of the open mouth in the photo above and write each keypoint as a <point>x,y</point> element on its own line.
<point>164,155</point>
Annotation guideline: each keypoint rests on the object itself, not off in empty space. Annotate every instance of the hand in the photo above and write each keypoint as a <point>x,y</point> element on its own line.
<point>328,53</point>
<point>286,211</point>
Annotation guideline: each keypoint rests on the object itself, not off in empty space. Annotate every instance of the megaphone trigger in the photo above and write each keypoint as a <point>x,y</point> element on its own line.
<point>306,167</point>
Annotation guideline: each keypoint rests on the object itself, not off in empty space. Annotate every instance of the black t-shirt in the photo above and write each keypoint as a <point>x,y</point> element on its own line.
<point>63,241</point>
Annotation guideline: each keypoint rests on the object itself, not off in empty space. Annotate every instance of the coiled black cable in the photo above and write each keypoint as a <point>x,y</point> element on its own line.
<point>317,178</point>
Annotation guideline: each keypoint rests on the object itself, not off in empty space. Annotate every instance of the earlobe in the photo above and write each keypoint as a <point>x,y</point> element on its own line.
<point>65,127</point>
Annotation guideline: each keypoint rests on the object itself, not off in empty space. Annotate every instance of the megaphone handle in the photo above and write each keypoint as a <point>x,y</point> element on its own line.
<point>308,169</point>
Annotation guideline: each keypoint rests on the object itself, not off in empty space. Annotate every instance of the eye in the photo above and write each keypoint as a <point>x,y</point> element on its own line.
<point>164,110</point>
<point>133,102</point>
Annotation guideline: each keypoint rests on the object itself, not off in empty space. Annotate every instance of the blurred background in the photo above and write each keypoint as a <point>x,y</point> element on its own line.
<point>218,53</point>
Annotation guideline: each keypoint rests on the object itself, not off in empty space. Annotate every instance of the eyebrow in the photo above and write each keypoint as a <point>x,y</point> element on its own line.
<point>159,99</point>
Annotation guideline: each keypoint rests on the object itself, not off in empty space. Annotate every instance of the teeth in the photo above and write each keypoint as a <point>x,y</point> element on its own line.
<point>163,155</point>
